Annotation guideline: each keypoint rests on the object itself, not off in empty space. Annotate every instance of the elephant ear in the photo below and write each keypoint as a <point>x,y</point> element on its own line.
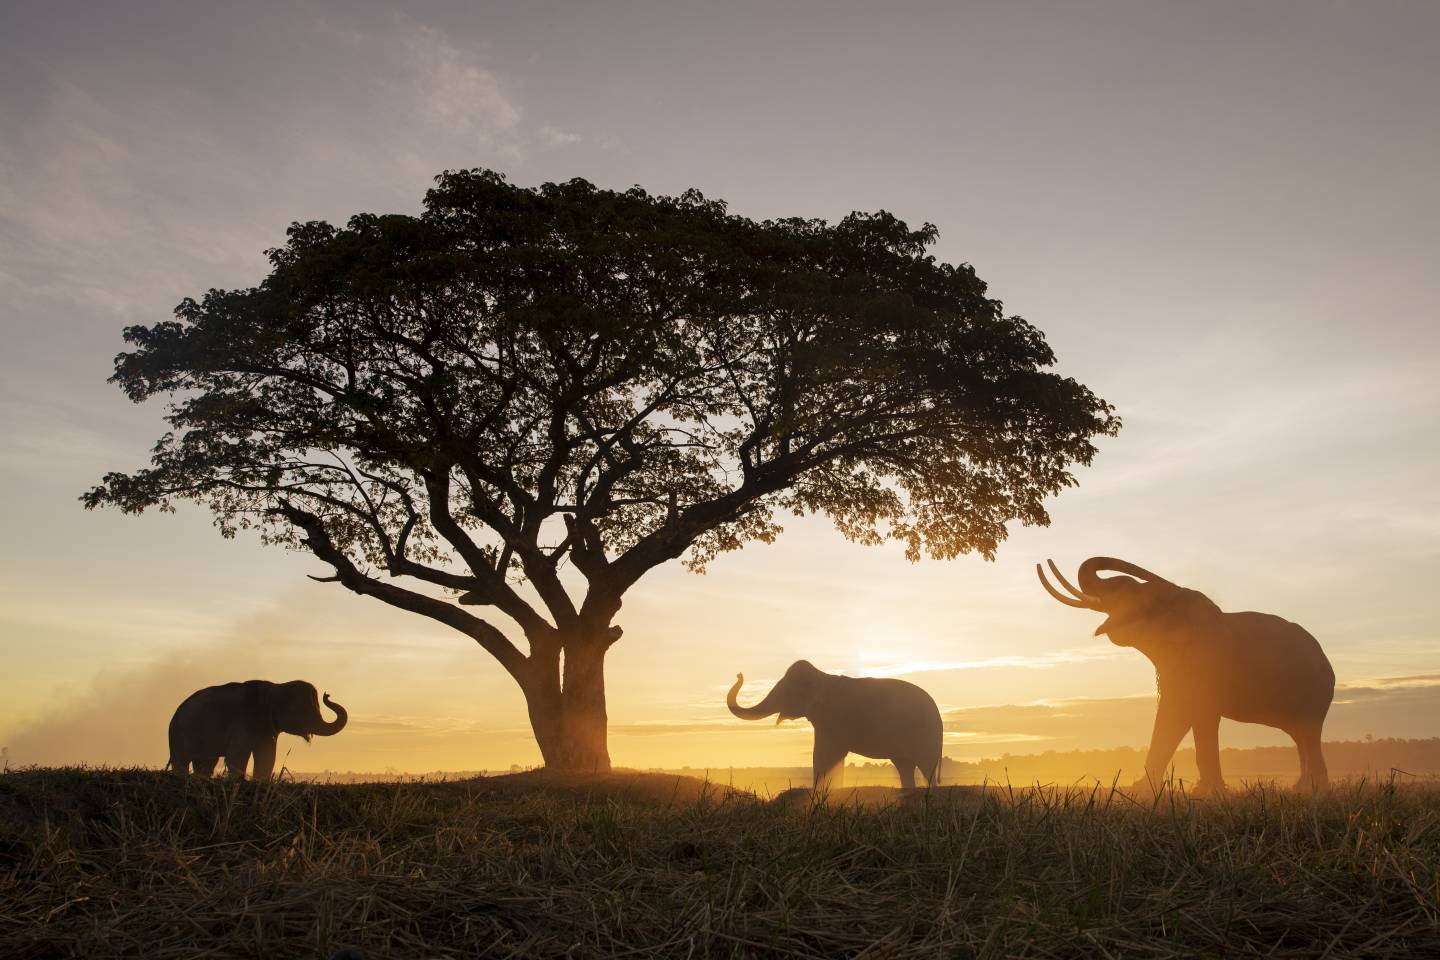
<point>817,694</point>
<point>261,706</point>
<point>810,687</point>
<point>292,708</point>
<point>1190,617</point>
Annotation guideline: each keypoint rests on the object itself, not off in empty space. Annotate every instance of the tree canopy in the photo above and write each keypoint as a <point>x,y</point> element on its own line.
<point>447,409</point>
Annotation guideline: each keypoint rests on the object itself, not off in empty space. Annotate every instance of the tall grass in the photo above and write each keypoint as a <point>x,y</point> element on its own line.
<point>131,863</point>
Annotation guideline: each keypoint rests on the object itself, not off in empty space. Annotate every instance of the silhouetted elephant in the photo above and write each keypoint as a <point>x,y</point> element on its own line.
<point>1251,667</point>
<point>877,718</point>
<point>238,720</point>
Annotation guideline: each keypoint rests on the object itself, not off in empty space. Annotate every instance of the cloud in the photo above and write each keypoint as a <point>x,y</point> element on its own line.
<point>967,738</point>
<point>41,432</point>
<point>552,138</point>
<point>1395,706</point>
<point>1043,661</point>
<point>1401,707</point>
<point>726,725</point>
<point>454,91</point>
<point>125,191</point>
<point>1362,687</point>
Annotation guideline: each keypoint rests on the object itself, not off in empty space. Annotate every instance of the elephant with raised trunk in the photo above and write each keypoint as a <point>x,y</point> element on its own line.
<point>1251,667</point>
<point>240,720</point>
<point>874,717</point>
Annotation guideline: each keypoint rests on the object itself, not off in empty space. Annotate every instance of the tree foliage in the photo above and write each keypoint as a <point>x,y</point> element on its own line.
<point>520,379</point>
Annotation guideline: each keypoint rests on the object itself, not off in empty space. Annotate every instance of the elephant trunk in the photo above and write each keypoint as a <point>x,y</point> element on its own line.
<point>330,728</point>
<point>1092,584</point>
<point>760,711</point>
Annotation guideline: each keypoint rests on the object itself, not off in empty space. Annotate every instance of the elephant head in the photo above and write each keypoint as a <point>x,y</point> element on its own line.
<point>294,708</point>
<point>1143,610</point>
<point>796,695</point>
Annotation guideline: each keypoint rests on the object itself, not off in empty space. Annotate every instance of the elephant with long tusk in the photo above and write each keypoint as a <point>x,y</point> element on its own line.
<point>875,717</point>
<point>1250,667</point>
<point>240,720</point>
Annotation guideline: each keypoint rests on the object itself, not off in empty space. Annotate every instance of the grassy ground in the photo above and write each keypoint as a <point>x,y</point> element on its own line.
<point>132,863</point>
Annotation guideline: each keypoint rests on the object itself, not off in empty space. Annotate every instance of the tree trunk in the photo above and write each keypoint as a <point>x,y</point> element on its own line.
<point>567,712</point>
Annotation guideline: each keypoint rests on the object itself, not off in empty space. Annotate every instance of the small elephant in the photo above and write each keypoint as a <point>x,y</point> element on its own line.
<point>874,717</point>
<point>238,720</point>
<point>1251,667</point>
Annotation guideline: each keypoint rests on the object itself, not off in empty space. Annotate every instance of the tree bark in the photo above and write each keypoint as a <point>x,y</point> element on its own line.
<point>567,706</point>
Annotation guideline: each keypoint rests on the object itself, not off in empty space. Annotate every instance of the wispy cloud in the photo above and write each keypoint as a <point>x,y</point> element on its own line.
<point>1390,683</point>
<point>708,725</point>
<point>1042,661</point>
<point>552,138</point>
<point>970,738</point>
<point>454,90</point>
<point>114,189</point>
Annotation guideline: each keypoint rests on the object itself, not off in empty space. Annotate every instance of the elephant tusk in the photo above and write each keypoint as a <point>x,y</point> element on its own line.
<point>1078,594</point>
<point>1068,601</point>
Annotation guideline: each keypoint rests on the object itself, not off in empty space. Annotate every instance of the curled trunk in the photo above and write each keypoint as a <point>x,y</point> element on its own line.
<point>332,727</point>
<point>1091,583</point>
<point>760,711</point>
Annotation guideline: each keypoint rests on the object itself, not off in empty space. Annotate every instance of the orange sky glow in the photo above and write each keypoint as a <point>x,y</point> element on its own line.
<point>1224,226</point>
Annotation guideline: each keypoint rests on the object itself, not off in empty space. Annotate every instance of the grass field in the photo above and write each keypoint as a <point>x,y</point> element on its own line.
<point>141,864</point>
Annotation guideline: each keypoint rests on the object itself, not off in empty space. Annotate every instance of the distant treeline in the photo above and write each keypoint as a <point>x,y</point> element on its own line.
<point>393,776</point>
<point>1122,765</point>
<point>1346,758</point>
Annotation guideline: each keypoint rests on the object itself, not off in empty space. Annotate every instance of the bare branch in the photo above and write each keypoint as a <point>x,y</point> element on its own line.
<point>487,582</point>
<point>317,539</point>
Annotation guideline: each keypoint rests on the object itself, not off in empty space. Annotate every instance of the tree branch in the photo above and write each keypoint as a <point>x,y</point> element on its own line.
<point>317,539</point>
<point>491,586</point>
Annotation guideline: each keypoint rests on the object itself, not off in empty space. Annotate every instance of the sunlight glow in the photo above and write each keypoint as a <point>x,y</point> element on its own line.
<point>1035,662</point>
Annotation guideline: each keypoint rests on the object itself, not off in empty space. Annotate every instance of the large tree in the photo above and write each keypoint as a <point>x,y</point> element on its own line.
<point>448,409</point>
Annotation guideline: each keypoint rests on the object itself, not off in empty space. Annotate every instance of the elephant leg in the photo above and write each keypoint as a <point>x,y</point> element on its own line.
<point>235,762</point>
<point>1298,736</point>
<point>930,766</point>
<point>1319,773</point>
<point>264,759</point>
<point>906,769</point>
<point>1171,725</point>
<point>205,766</point>
<point>1207,756</point>
<point>829,758</point>
<point>1313,774</point>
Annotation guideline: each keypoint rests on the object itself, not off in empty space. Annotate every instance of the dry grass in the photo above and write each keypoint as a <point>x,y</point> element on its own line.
<point>131,863</point>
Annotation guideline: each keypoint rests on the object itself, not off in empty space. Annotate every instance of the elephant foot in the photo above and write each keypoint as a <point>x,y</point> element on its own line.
<point>1151,787</point>
<point>1144,788</point>
<point>1208,788</point>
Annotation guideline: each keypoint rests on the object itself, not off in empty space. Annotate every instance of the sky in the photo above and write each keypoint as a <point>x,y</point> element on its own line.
<point>1224,216</point>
